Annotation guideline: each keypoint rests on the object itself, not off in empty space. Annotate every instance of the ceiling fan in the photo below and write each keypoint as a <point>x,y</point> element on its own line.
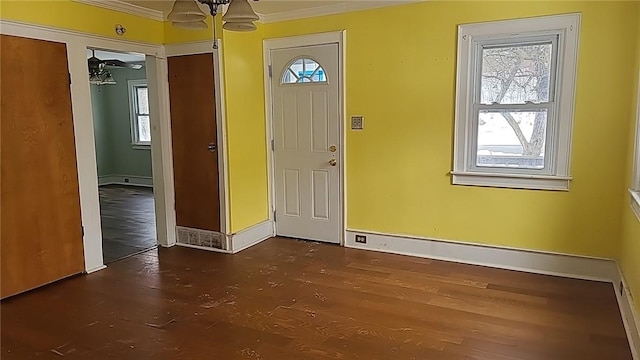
<point>98,73</point>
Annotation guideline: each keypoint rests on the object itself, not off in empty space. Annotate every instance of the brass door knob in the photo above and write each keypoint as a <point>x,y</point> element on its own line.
<point>333,162</point>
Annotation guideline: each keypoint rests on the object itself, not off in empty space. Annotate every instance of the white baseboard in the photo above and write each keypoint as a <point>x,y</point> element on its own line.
<point>132,180</point>
<point>498,257</point>
<point>629,316</point>
<point>251,236</point>
<point>540,262</point>
<point>102,267</point>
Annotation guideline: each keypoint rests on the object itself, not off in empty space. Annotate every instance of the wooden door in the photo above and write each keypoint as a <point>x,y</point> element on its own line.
<point>306,124</point>
<point>41,234</point>
<point>193,133</point>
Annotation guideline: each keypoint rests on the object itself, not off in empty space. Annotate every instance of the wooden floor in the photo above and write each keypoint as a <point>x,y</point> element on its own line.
<point>128,221</point>
<point>288,299</point>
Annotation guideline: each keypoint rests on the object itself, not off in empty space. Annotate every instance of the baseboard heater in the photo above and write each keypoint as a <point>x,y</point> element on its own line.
<point>201,238</point>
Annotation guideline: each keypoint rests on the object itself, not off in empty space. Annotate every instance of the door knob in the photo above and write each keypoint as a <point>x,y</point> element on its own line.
<point>333,162</point>
<point>212,147</point>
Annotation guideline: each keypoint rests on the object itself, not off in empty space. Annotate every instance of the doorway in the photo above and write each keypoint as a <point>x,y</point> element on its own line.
<point>122,132</point>
<point>198,160</point>
<point>306,112</point>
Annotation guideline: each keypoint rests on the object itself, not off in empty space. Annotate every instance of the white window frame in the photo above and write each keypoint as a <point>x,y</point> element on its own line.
<point>133,113</point>
<point>555,174</point>
<point>635,180</point>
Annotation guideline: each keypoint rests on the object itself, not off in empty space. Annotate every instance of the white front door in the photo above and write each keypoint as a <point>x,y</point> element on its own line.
<point>307,150</point>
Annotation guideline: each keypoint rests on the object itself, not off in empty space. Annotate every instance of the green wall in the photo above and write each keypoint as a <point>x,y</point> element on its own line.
<point>112,125</point>
<point>99,107</point>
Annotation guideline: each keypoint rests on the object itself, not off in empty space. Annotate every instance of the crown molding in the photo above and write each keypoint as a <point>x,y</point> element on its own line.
<point>347,6</point>
<point>125,7</point>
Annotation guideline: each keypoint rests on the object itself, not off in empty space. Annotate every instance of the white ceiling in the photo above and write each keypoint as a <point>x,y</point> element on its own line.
<point>273,10</point>
<point>108,55</point>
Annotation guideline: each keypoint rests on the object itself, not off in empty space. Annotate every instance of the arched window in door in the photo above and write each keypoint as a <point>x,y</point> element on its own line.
<point>303,70</point>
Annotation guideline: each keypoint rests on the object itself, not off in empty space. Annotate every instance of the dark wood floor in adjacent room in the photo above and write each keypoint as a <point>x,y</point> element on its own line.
<point>288,299</point>
<point>128,221</point>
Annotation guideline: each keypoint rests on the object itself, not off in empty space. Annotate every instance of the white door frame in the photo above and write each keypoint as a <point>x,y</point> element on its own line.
<point>206,47</point>
<point>77,44</point>
<point>336,37</point>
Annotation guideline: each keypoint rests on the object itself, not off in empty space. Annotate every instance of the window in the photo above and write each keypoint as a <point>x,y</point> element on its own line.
<point>514,102</point>
<point>303,70</point>
<point>139,101</point>
<point>635,182</point>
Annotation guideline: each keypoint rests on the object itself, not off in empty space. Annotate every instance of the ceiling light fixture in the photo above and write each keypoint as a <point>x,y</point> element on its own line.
<point>186,11</point>
<point>239,16</point>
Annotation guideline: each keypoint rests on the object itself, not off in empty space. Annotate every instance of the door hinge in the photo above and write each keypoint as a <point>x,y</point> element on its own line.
<point>273,145</point>
<point>274,216</point>
<point>82,227</point>
<point>69,78</point>
<point>270,71</point>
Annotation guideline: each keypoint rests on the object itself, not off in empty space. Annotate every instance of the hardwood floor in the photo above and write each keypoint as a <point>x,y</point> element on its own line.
<point>289,299</point>
<point>128,221</point>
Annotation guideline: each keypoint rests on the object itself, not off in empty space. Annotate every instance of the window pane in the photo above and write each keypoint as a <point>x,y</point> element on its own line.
<point>144,129</point>
<point>514,139</point>
<point>143,100</point>
<point>303,71</point>
<point>516,74</point>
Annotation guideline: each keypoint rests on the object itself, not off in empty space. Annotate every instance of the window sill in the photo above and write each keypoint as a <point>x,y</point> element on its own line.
<point>635,202</point>
<point>141,146</point>
<point>514,181</point>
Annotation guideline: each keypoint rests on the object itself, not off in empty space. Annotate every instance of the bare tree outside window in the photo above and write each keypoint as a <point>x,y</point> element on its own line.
<point>517,74</point>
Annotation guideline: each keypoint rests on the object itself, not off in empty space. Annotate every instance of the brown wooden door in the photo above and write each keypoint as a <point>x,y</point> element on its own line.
<point>41,235</point>
<point>193,128</point>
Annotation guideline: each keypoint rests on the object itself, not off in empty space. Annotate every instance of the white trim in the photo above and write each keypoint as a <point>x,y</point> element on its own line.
<point>630,318</point>
<point>77,44</point>
<point>133,113</point>
<point>336,37</point>
<point>125,7</point>
<point>520,181</point>
<point>161,150</point>
<point>89,271</point>
<point>465,172</point>
<point>134,180</point>
<point>635,202</point>
<point>635,176</point>
<point>191,48</point>
<point>49,33</point>
<point>339,8</point>
<point>251,236</point>
<point>221,123</point>
<point>573,266</point>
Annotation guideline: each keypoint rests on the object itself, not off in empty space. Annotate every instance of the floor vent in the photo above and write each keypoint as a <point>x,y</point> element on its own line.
<point>201,238</point>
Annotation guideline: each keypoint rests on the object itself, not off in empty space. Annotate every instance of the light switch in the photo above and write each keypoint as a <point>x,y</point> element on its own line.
<point>357,122</point>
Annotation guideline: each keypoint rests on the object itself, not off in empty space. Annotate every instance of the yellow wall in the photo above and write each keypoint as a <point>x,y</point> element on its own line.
<point>401,76</point>
<point>630,250</point>
<point>246,138</point>
<point>244,86</point>
<point>70,15</point>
